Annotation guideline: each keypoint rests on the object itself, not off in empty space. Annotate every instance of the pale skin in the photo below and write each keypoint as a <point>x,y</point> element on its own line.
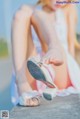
<point>23,46</point>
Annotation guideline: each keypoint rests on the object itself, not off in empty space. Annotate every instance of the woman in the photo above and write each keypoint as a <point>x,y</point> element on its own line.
<point>53,28</point>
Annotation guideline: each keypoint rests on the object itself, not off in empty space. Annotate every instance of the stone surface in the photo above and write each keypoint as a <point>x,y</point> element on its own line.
<point>60,108</point>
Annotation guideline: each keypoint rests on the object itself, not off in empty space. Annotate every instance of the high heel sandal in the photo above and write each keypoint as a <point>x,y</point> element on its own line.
<point>29,99</point>
<point>45,73</point>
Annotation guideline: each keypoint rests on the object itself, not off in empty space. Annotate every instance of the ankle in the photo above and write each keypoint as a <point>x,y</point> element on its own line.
<point>22,81</point>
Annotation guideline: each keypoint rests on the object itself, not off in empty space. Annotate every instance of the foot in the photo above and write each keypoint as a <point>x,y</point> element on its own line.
<point>32,102</point>
<point>29,99</point>
<point>53,57</point>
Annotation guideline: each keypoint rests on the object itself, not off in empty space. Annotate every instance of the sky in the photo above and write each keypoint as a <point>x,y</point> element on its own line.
<point>8,9</point>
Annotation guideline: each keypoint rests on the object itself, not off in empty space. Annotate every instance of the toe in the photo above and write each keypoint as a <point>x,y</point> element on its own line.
<point>32,102</point>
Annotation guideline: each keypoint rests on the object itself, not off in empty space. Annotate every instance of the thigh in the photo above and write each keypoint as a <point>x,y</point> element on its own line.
<point>62,79</point>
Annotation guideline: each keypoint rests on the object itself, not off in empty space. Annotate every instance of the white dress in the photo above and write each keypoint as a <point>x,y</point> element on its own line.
<point>73,67</point>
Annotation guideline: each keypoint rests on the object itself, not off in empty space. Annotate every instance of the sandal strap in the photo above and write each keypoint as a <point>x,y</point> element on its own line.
<point>29,95</point>
<point>38,99</point>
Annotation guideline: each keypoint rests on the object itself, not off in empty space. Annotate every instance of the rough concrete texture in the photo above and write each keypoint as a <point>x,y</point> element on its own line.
<point>60,108</point>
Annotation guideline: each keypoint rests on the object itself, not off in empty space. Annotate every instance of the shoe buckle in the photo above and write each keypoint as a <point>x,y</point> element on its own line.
<point>40,64</point>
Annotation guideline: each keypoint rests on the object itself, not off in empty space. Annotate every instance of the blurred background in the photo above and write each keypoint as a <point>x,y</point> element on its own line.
<point>7,10</point>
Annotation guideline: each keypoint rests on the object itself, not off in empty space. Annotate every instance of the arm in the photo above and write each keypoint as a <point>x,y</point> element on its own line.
<point>72,20</point>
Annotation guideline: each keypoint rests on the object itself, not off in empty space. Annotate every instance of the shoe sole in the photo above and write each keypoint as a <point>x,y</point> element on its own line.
<point>37,73</point>
<point>47,96</point>
<point>50,93</point>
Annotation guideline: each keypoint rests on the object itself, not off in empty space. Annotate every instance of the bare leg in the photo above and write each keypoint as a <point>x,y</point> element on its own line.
<point>47,34</point>
<point>20,30</point>
<point>62,79</point>
<point>57,57</point>
<point>54,55</point>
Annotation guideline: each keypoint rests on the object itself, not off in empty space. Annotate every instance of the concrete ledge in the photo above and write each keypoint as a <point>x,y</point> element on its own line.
<point>60,108</point>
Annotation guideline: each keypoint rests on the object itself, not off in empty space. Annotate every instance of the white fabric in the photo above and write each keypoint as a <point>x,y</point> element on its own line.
<point>73,67</point>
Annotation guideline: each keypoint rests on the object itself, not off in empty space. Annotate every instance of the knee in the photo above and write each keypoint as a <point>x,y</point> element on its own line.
<point>18,15</point>
<point>26,8</point>
<point>23,13</point>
